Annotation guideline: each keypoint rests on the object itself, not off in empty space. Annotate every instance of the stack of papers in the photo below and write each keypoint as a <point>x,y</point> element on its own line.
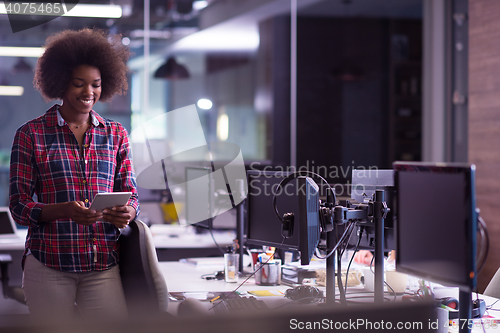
<point>295,273</point>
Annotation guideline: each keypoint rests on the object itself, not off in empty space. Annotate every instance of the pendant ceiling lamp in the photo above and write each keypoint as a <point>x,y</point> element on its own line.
<point>172,70</point>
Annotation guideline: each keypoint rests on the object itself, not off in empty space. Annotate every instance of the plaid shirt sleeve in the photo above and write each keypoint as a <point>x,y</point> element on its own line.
<point>124,176</point>
<point>23,179</point>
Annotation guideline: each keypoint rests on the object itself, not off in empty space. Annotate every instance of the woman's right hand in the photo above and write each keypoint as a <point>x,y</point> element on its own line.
<point>77,211</point>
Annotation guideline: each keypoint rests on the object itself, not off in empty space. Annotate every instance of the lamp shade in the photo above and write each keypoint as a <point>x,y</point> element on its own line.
<point>171,70</point>
<point>21,66</point>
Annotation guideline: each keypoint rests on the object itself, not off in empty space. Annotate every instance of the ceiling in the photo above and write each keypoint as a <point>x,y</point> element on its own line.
<point>172,20</point>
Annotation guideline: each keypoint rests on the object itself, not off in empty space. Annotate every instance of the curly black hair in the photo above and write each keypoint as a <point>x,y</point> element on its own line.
<point>68,49</point>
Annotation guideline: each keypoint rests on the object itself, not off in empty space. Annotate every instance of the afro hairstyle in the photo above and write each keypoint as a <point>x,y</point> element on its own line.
<point>68,49</point>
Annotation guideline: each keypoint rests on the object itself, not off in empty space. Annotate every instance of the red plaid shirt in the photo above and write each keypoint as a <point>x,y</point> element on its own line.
<point>46,161</point>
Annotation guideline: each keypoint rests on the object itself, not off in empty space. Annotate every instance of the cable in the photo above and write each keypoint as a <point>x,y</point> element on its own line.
<point>340,253</point>
<point>339,274</point>
<point>490,307</point>
<point>210,228</point>
<point>385,283</point>
<point>289,178</point>
<point>480,317</point>
<point>349,228</point>
<point>352,257</point>
<point>213,238</point>
<point>485,239</point>
<point>346,242</point>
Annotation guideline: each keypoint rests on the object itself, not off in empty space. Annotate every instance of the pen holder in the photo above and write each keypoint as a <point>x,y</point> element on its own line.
<point>231,263</point>
<point>268,274</point>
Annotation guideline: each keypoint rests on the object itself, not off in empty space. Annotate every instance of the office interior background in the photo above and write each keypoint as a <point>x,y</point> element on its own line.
<point>324,84</point>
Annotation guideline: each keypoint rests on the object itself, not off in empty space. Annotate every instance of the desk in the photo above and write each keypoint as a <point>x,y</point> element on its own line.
<point>16,243</point>
<point>173,242</point>
<point>187,278</point>
<point>15,247</point>
<point>184,277</point>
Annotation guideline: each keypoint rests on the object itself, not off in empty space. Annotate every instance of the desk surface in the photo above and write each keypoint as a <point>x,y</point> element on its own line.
<point>174,236</point>
<point>15,243</point>
<point>164,237</point>
<point>185,277</point>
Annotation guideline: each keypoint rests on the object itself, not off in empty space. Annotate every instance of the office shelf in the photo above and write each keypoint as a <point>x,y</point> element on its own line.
<point>405,99</point>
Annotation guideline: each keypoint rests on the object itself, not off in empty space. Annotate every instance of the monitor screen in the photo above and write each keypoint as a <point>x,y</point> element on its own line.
<point>199,197</point>
<point>308,218</point>
<point>436,222</point>
<point>262,225</point>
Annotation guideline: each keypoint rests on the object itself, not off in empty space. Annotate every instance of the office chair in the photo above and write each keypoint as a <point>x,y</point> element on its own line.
<point>13,292</point>
<point>493,288</point>
<point>143,283</point>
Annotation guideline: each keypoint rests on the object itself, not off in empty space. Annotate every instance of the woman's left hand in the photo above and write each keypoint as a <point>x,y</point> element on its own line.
<point>120,216</point>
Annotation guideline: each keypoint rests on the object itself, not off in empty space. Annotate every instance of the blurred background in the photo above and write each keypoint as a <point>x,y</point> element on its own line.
<point>330,85</point>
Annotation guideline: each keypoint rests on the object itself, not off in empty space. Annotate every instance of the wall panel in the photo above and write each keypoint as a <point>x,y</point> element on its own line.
<point>484,119</point>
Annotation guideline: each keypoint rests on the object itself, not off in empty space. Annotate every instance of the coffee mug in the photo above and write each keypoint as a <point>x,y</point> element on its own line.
<point>368,279</point>
<point>397,281</point>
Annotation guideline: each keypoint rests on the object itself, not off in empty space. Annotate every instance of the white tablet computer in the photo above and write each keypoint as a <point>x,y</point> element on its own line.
<point>109,199</point>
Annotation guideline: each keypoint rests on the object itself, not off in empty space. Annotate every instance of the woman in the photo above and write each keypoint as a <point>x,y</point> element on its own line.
<point>65,157</point>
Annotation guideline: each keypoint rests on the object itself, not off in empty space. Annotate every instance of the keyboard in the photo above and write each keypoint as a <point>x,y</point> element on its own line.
<point>239,304</point>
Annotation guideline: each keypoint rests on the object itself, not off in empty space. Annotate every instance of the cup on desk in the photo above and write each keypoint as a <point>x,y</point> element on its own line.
<point>368,279</point>
<point>268,274</point>
<point>397,281</point>
<point>231,263</point>
<point>255,256</point>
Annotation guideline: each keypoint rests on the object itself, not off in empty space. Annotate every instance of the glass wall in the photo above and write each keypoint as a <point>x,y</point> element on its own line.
<point>310,90</point>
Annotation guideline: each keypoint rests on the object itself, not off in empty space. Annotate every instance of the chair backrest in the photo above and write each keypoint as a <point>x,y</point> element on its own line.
<point>493,288</point>
<point>143,283</point>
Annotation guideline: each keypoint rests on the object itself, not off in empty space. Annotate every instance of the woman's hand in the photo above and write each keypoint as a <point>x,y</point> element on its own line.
<point>120,216</point>
<point>74,210</point>
<point>77,211</point>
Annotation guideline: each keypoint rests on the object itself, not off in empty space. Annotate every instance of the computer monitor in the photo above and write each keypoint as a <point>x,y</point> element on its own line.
<point>436,222</point>
<point>199,202</point>
<point>206,206</point>
<point>308,218</point>
<point>300,197</point>
<point>262,227</point>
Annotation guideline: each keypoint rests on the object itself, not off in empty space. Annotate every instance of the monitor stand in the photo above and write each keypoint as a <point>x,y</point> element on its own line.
<point>380,211</point>
<point>464,311</point>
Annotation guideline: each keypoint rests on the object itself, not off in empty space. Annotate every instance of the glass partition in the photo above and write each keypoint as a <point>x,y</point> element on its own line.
<point>316,89</point>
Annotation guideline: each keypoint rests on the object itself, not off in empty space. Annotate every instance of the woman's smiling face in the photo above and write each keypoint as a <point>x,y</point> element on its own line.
<point>84,89</point>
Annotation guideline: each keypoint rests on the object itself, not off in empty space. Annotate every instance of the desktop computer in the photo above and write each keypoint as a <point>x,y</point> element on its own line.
<point>206,206</point>
<point>295,201</point>
<point>437,223</point>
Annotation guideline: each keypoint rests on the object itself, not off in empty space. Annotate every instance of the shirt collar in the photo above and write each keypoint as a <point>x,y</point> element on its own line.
<point>96,119</point>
